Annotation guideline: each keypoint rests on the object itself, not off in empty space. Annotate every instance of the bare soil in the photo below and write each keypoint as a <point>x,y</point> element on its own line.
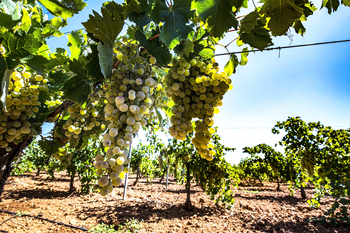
<point>257,209</point>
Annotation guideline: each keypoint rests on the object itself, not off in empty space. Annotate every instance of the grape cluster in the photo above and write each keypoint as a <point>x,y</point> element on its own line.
<point>130,95</point>
<point>86,117</point>
<point>197,90</point>
<point>21,104</point>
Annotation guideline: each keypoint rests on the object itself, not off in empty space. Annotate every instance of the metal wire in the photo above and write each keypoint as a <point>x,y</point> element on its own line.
<point>285,47</point>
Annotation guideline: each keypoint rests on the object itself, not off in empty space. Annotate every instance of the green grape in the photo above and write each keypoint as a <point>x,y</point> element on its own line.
<point>197,92</point>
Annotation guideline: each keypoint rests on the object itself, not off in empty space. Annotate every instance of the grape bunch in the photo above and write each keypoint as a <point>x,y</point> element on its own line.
<point>130,95</point>
<point>21,104</point>
<point>85,117</point>
<point>197,90</point>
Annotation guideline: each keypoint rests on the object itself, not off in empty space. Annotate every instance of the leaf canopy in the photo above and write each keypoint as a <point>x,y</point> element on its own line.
<point>65,9</point>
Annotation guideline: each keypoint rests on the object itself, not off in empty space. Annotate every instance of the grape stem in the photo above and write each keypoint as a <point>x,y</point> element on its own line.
<point>59,109</point>
<point>116,64</point>
<point>153,37</point>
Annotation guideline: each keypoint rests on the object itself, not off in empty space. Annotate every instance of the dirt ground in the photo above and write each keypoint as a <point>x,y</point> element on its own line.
<point>257,209</point>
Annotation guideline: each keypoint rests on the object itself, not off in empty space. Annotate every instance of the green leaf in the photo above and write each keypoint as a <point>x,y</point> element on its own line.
<point>299,28</point>
<point>105,55</point>
<point>43,109</point>
<point>231,65</point>
<point>258,38</point>
<point>74,43</point>
<point>76,89</point>
<point>79,86</point>
<point>36,62</point>
<point>331,5</point>
<point>93,65</point>
<point>106,27</point>
<point>6,21</point>
<point>346,2</point>
<point>175,20</point>
<point>65,9</point>
<point>283,13</point>
<point>155,47</point>
<point>244,58</point>
<point>132,6</point>
<point>57,78</point>
<point>113,7</point>
<point>218,14</point>
<point>140,15</point>
<point>207,53</point>
<point>19,46</point>
<point>26,21</point>
<point>249,22</point>
<point>52,28</point>
<point>184,48</point>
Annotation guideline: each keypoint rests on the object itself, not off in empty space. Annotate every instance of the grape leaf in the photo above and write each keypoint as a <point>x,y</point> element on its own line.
<point>44,110</point>
<point>231,65</point>
<point>175,20</point>
<point>105,55</point>
<point>52,27</point>
<point>16,47</point>
<point>258,37</point>
<point>249,22</point>
<point>185,48</point>
<point>19,46</point>
<point>36,62</point>
<point>113,7</point>
<point>155,47</point>
<point>141,17</point>
<point>6,21</point>
<point>76,89</point>
<point>106,28</point>
<point>57,78</point>
<point>93,65</point>
<point>207,53</point>
<point>283,13</point>
<point>57,59</point>
<point>331,5</point>
<point>218,14</point>
<point>244,56</point>
<point>299,27</point>
<point>65,9</point>
<point>132,6</point>
<point>79,86</point>
<point>26,21</point>
<point>346,2</point>
<point>75,40</point>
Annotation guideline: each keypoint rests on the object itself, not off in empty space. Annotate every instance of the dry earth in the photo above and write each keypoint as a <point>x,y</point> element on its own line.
<point>257,209</point>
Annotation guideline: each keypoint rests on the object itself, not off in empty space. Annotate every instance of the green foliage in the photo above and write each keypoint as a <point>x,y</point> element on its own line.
<point>216,177</point>
<point>65,9</point>
<point>325,150</point>
<point>166,29</point>
<point>278,10</point>
<point>218,14</point>
<point>131,226</point>
<point>144,157</point>
<point>176,18</point>
<point>105,28</point>
<point>276,163</point>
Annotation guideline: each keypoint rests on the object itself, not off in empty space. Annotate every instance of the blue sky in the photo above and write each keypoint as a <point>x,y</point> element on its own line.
<point>310,82</point>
